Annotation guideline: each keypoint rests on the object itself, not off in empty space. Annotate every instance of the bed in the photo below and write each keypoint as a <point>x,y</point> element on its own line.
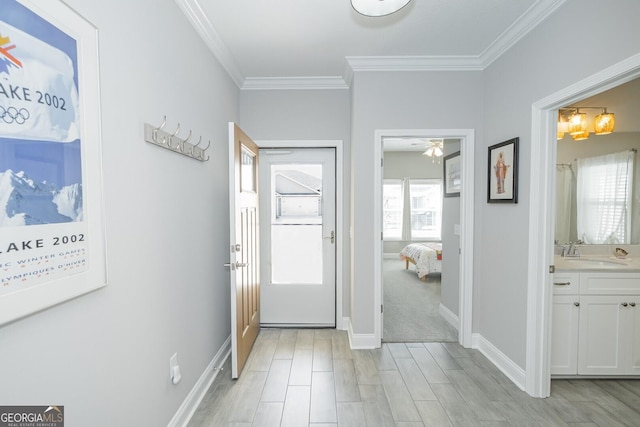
<point>427,257</point>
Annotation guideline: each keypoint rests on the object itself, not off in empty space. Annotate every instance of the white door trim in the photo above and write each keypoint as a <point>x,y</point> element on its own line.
<point>541,218</point>
<point>341,236</point>
<point>467,151</point>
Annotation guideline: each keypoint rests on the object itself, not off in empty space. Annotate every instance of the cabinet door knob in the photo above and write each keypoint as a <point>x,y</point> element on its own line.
<point>632,304</point>
<point>624,304</point>
<point>577,304</point>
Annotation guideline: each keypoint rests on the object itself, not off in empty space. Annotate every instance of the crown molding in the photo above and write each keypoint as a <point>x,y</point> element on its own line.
<point>414,63</point>
<point>293,83</point>
<point>538,12</point>
<point>197,17</point>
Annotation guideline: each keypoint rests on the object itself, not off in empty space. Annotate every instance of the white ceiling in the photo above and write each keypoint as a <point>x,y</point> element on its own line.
<point>321,42</point>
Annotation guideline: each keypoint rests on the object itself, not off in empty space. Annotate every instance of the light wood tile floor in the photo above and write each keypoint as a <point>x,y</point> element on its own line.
<point>311,378</point>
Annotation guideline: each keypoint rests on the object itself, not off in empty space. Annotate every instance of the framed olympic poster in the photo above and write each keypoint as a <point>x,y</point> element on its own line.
<point>52,244</point>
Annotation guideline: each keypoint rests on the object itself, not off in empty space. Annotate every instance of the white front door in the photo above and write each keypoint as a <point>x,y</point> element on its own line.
<point>298,237</point>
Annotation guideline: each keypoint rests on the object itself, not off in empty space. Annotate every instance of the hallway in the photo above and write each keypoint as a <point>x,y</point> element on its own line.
<point>312,378</point>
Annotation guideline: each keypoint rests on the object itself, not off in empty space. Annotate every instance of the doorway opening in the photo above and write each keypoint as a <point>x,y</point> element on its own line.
<point>418,231</point>
<point>542,213</point>
<point>459,311</point>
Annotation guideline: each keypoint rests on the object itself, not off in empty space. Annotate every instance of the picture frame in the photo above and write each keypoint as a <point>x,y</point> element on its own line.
<point>502,176</point>
<point>452,175</point>
<point>50,256</point>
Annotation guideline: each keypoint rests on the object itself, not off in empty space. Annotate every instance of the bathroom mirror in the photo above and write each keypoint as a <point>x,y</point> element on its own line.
<point>624,102</point>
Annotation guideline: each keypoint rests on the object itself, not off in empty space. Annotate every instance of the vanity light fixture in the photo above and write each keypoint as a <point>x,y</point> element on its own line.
<point>604,123</point>
<point>581,136</point>
<point>577,123</point>
<point>376,8</point>
<point>574,122</point>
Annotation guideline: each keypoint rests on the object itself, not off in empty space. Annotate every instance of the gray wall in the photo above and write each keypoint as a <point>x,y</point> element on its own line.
<point>429,99</point>
<point>305,115</point>
<point>541,64</point>
<point>450,290</point>
<point>105,356</point>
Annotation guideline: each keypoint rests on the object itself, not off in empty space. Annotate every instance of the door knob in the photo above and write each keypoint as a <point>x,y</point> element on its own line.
<point>577,304</point>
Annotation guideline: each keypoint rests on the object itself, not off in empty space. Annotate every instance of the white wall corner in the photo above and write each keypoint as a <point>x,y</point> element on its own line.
<point>449,316</point>
<point>184,413</point>
<point>359,341</point>
<point>507,366</point>
<point>538,12</point>
<point>194,13</point>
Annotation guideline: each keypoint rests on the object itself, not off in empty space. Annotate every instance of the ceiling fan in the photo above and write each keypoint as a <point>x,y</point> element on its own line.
<point>435,149</point>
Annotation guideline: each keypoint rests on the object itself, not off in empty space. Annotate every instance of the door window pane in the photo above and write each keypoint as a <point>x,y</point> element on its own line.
<point>248,171</point>
<point>296,224</point>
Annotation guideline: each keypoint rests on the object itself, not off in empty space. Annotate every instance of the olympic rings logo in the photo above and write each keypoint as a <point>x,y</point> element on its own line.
<point>13,115</point>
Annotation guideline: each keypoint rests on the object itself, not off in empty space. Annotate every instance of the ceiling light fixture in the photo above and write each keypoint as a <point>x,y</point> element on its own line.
<point>574,122</point>
<point>435,150</point>
<point>378,7</point>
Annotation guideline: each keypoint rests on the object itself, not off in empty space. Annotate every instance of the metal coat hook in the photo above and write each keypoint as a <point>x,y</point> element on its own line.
<point>203,151</point>
<point>158,136</point>
<point>186,142</point>
<point>171,138</point>
<point>155,131</point>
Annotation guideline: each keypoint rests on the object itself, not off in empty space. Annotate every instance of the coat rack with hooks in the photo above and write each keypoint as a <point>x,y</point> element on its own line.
<point>171,141</point>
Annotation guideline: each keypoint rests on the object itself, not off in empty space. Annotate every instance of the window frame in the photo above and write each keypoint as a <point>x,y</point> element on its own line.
<point>405,212</point>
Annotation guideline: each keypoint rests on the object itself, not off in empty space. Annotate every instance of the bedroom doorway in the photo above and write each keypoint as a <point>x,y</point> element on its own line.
<point>413,207</point>
<point>456,304</point>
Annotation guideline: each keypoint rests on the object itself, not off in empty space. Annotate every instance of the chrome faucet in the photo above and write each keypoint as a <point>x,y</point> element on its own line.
<point>572,251</point>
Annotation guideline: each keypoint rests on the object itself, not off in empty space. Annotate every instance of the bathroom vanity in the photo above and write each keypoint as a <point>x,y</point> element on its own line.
<point>596,316</point>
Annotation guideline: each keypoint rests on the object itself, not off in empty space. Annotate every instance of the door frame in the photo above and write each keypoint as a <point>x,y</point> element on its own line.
<point>341,236</point>
<point>542,218</point>
<point>467,156</point>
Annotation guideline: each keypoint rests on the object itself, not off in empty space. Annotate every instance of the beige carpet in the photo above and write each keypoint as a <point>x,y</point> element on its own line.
<point>411,307</point>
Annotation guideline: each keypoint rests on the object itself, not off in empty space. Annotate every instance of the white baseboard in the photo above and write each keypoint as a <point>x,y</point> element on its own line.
<point>359,341</point>
<point>508,367</point>
<point>344,326</point>
<point>188,408</point>
<point>449,316</point>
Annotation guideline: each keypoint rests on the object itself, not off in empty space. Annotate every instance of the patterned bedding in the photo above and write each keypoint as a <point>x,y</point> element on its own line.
<point>426,256</point>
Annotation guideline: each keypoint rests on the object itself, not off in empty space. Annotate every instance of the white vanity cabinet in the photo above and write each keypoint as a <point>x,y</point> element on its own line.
<point>609,335</point>
<point>596,326</point>
<point>564,335</point>
<point>566,313</point>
